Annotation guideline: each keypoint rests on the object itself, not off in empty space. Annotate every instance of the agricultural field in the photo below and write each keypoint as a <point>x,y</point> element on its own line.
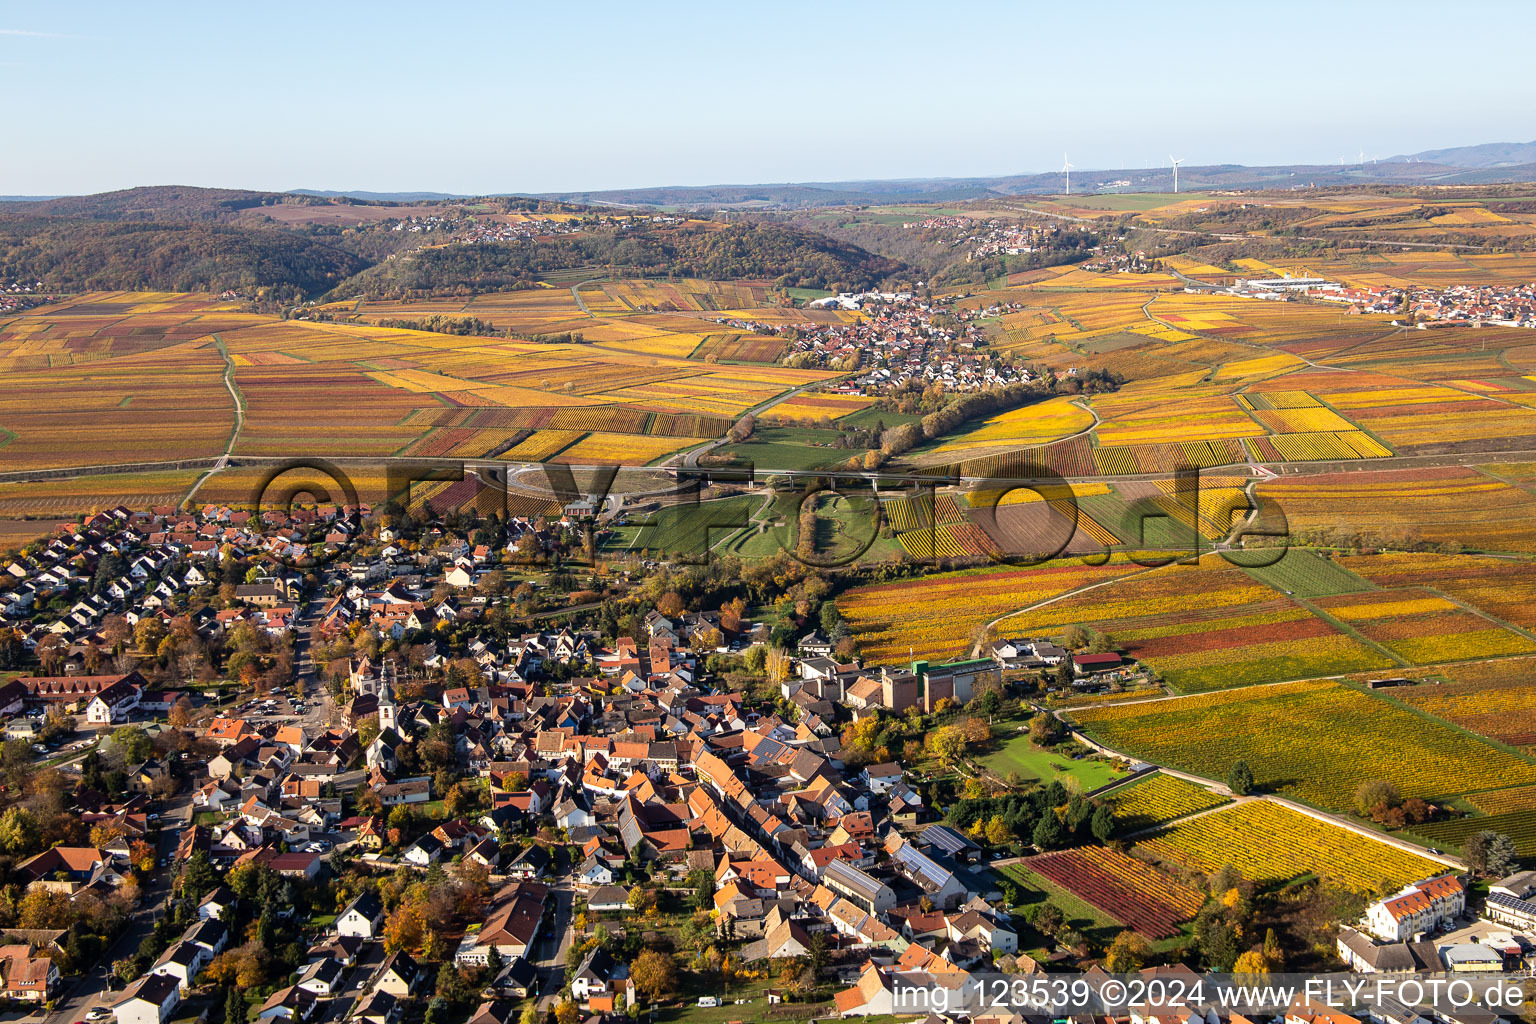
<point>1270,844</point>
<point>90,494</point>
<point>939,617</point>
<point>817,407</point>
<point>144,381</point>
<point>1207,627</point>
<point>692,530</point>
<point>1519,825</point>
<point>1496,699</point>
<point>1504,801</point>
<point>1503,587</point>
<point>1030,425</point>
<point>1309,574</point>
<point>1158,799</point>
<point>603,448</point>
<point>1452,504</point>
<point>1127,889</point>
<point>789,448</point>
<point>964,540</point>
<point>1420,627</point>
<point>1018,756</point>
<point>1313,741</point>
<point>147,373</point>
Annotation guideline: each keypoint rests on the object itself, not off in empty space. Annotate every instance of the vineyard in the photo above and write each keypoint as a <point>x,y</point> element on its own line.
<point>1422,628</point>
<point>1505,801</point>
<point>1519,825</point>
<point>1158,799</point>
<point>1501,587</point>
<point>950,541</point>
<point>146,376</point>
<point>1268,844</point>
<point>1127,889</point>
<point>934,617</point>
<point>1496,699</point>
<point>1313,741</point>
<point>1207,627</point>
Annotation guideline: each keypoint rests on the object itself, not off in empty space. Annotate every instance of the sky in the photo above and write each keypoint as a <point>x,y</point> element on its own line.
<point>520,97</point>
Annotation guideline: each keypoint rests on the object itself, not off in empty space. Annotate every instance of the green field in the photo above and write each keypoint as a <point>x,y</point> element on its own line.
<point>1018,754</point>
<point>842,527</point>
<point>1127,201</point>
<point>1308,574</point>
<point>691,529</point>
<point>870,417</point>
<point>797,448</point>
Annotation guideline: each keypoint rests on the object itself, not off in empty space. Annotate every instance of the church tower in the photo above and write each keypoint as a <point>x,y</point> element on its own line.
<point>386,707</point>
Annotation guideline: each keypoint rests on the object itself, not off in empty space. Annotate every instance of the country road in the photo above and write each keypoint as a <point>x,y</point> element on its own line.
<point>234,434</point>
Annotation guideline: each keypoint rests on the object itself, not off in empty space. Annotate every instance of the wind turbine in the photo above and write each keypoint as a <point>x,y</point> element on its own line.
<point>1066,168</point>
<point>1175,172</point>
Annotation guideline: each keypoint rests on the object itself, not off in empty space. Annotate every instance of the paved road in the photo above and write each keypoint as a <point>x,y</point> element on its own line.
<point>90,989</point>
<point>354,981</point>
<point>549,953</point>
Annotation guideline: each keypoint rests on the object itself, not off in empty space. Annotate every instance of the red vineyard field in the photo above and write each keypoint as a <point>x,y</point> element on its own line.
<point>1122,886</point>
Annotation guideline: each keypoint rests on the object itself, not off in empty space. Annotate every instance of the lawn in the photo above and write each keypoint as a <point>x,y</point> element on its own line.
<point>693,528</point>
<point>1018,754</point>
<point>869,417</point>
<point>798,448</point>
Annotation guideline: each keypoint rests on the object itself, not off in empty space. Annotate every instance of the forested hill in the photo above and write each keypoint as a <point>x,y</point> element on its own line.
<point>787,255</point>
<point>175,238</point>
<point>156,203</point>
<point>68,256</point>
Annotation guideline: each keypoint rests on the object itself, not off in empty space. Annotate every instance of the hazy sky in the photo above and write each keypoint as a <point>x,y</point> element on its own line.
<point>515,97</point>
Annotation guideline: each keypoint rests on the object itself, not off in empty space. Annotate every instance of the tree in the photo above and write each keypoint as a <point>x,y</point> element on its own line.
<point>947,744</point>
<point>1240,779</point>
<point>198,878</point>
<point>1375,795</point>
<point>234,1006</point>
<point>1252,964</point>
<point>1044,729</point>
<point>566,1012</point>
<point>1102,824</point>
<point>990,702</point>
<point>142,856</point>
<point>1048,918</point>
<point>134,742</point>
<point>654,975</point>
<point>1127,954</point>
<point>998,833</point>
<point>1049,833</point>
<point>181,713</point>
<point>1489,853</point>
<point>1274,956</point>
<point>19,832</point>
